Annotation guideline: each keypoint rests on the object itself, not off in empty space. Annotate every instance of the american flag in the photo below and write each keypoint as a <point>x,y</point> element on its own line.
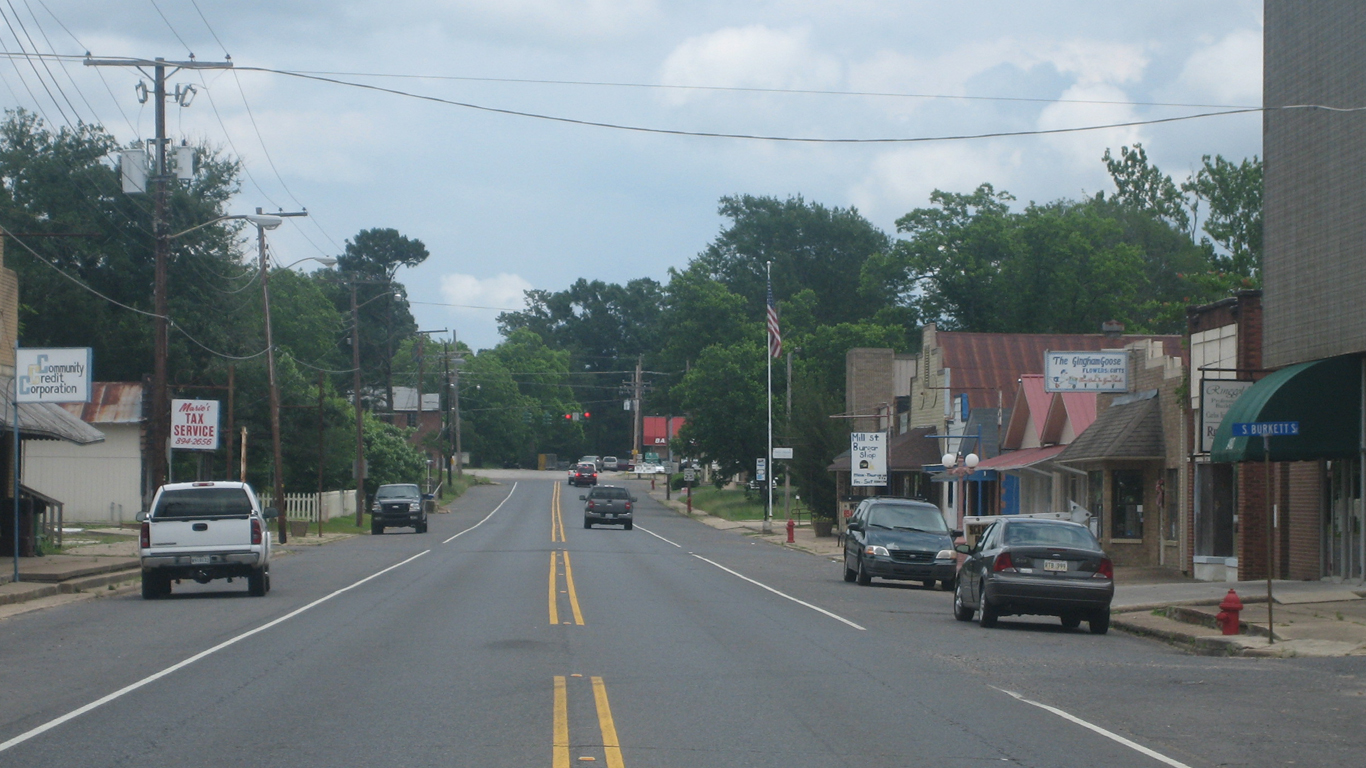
<point>775,337</point>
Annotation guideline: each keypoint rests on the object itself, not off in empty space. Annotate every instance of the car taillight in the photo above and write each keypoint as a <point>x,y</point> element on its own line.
<point>628,506</point>
<point>1003,564</point>
<point>590,504</point>
<point>1106,569</point>
<point>145,537</point>
<point>255,531</point>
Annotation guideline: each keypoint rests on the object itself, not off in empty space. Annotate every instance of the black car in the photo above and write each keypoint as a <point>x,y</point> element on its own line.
<point>1039,567</point>
<point>398,506</point>
<point>902,539</point>
<point>608,505</point>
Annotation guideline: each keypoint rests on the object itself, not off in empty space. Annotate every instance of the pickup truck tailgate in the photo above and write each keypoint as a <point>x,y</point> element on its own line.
<point>229,533</point>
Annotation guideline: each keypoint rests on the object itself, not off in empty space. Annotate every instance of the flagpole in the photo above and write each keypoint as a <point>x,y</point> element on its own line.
<point>768,457</point>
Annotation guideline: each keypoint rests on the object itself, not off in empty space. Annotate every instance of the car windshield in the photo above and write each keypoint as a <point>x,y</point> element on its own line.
<point>397,492</point>
<point>1042,534</point>
<point>912,517</point>
<point>202,502</point>
<point>610,493</point>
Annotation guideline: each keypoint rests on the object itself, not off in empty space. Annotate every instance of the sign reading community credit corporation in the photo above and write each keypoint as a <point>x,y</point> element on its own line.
<point>194,425</point>
<point>60,375</point>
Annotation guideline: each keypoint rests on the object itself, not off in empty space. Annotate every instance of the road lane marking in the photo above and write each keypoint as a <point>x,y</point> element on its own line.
<point>1158,756</point>
<point>556,517</point>
<point>657,536</point>
<point>486,517</point>
<point>815,608</point>
<point>573,595</point>
<point>554,607</point>
<point>75,713</point>
<point>607,725</point>
<point>559,746</point>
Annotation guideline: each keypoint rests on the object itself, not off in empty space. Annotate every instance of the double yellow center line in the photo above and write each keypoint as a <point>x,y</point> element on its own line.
<point>611,746</point>
<point>569,589</point>
<point>556,517</point>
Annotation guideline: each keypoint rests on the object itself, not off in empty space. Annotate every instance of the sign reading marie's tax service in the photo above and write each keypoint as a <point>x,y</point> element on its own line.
<point>194,425</point>
<point>53,375</point>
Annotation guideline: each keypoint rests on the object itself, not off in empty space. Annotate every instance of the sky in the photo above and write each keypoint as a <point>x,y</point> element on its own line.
<point>508,202</point>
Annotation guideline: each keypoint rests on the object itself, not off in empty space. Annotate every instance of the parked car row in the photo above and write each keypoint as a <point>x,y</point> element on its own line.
<point>1018,566</point>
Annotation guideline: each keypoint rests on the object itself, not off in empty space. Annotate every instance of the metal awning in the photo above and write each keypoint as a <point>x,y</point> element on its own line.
<point>1323,396</point>
<point>43,421</point>
<point>1025,457</point>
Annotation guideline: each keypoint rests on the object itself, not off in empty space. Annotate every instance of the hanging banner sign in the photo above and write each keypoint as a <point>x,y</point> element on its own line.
<point>59,375</point>
<point>194,425</point>
<point>1086,371</point>
<point>761,469</point>
<point>868,458</point>
<point>1217,396</point>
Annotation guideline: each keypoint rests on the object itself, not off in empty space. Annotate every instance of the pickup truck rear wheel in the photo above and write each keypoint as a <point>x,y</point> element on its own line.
<point>630,525</point>
<point>376,529</point>
<point>256,582</point>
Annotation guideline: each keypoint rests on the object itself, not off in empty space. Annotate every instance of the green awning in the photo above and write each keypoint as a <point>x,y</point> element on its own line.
<point>1323,396</point>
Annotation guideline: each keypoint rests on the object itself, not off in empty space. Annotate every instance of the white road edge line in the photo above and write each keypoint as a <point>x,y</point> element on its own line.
<point>1158,756</point>
<point>657,536</point>
<point>815,608</point>
<point>75,713</point>
<point>486,517</point>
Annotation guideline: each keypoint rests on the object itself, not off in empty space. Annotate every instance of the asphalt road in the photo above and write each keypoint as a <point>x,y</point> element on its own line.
<point>523,642</point>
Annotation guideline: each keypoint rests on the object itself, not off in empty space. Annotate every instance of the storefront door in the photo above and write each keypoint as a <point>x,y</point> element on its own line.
<point>1342,530</point>
<point>1214,510</point>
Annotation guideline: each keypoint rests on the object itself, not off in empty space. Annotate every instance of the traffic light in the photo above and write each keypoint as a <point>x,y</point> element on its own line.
<point>569,417</point>
<point>586,414</point>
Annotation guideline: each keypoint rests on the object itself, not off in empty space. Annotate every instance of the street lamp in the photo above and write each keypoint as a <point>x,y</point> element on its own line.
<point>262,223</point>
<point>970,463</point>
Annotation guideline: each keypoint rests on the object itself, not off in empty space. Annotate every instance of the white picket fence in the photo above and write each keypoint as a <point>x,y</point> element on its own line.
<point>305,506</point>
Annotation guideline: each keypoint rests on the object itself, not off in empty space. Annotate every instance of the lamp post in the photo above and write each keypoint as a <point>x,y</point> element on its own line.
<point>969,463</point>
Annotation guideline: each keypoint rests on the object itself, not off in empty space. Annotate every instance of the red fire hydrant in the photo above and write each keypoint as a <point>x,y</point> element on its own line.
<point>791,531</point>
<point>1228,613</point>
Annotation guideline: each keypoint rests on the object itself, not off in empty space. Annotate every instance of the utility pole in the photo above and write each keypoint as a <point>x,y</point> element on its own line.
<point>360,425</point>
<point>161,409</point>
<point>635,412</point>
<point>422,371</point>
<point>459,453</point>
<point>321,454</point>
<point>282,522</point>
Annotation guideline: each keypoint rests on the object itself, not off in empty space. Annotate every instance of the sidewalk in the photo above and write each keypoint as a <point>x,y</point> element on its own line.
<point>1313,618</point>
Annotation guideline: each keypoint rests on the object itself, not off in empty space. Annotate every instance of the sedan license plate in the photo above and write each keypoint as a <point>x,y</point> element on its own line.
<point>200,560</point>
<point>1055,566</point>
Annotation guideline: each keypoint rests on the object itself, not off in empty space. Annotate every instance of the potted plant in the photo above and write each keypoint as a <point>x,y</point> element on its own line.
<point>822,523</point>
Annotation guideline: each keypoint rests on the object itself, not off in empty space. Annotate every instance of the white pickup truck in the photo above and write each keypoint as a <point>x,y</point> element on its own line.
<point>205,531</point>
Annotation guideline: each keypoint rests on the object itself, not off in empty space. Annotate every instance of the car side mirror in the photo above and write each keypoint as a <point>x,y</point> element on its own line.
<point>955,534</point>
<point>583,498</point>
<point>855,525</point>
<point>141,516</point>
<point>270,513</point>
<point>633,498</point>
<point>427,497</point>
<point>963,549</point>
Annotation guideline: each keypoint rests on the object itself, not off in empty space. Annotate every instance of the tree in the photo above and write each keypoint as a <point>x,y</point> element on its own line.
<point>380,253</point>
<point>1233,195</point>
<point>723,394</point>
<point>811,246</point>
<point>1143,186</point>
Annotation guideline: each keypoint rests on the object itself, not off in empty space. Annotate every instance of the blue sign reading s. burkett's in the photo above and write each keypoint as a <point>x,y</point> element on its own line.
<point>1265,428</point>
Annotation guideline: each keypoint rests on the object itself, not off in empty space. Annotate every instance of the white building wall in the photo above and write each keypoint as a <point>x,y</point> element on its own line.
<point>88,478</point>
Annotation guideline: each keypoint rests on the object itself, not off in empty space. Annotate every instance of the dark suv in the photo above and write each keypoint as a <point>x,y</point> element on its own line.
<point>398,506</point>
<point>893,538</point>
<point>608,505</point>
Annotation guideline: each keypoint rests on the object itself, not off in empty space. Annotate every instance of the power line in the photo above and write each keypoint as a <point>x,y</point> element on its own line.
<point>749,136</point>
<point>794,91</point>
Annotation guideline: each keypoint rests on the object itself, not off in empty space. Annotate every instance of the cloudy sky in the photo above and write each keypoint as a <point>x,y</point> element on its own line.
<point>507,202</point>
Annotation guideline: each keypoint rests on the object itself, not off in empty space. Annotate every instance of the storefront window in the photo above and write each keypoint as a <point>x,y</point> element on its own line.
<point>1095,504</point>
<point>1171,490</point>
<point>1127,515</point>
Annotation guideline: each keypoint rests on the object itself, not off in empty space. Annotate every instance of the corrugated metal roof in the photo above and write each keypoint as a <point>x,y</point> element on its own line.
<point>983,364</point>
<point>1020,459</point>
<point>44,421</point>
<point>111,402</point>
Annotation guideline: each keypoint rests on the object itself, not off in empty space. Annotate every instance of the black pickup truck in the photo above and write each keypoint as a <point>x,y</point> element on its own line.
<point>398,505</point>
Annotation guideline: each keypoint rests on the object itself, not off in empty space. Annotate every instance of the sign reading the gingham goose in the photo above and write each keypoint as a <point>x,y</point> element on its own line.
<point>1106,371</point>
<point>60,375</point>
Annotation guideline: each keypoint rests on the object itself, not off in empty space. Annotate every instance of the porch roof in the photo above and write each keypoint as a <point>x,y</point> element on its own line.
<point>44,421</point>
<point>1131,428</point>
